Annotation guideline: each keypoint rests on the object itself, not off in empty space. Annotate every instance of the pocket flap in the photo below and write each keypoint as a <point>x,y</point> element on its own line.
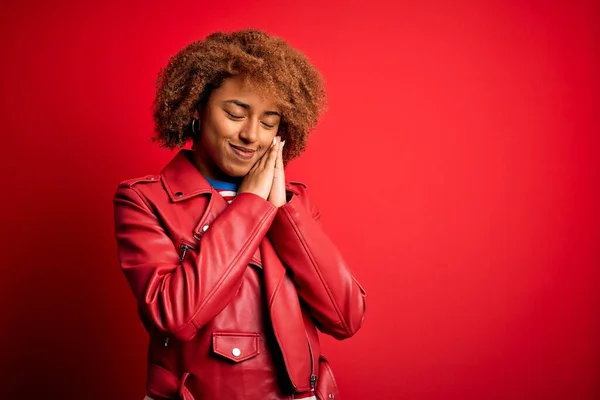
<point>236,346</point>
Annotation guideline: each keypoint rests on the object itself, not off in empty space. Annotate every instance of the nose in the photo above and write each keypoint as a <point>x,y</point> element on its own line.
<point>250,131</point>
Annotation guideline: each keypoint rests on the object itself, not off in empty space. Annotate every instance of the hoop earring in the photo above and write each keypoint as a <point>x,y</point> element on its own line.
<point>195,129</point>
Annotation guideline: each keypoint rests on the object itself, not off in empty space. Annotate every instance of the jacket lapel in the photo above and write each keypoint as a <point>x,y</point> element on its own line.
<point>182,179</point>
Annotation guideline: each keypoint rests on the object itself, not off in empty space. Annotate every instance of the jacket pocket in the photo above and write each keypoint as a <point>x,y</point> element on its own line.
<point>327,388</point>
<point>236,347</point>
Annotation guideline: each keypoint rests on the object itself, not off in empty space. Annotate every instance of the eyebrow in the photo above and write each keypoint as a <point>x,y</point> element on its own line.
<point>247,107</point>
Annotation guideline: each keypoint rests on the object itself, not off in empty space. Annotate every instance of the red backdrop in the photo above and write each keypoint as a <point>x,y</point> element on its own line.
<point>457,168</point>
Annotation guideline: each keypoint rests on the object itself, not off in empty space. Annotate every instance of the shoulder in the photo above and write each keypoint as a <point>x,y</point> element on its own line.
<point>134,189</point>
<point>296,187</point>
<point>130,183</point>
<point>300,194</point>
<point>298,183</point>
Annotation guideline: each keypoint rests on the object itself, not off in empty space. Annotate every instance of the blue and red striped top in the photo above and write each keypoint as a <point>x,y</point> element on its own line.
<point>226,189</point>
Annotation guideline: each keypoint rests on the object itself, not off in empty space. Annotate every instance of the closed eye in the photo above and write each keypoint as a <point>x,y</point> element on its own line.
<point>234,116</point>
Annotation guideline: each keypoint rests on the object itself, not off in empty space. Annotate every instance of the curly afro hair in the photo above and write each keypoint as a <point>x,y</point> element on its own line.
<point>269,63</point>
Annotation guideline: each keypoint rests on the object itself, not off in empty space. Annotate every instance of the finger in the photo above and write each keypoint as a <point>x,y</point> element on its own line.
<point>270,163</point>
<point>255,166</point>
<point>279,162</point>
<point>260,163</point>
<point>265,157</point>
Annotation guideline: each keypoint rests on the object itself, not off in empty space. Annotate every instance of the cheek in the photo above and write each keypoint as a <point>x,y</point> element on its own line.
<point>268,139</point>
<point>265,147</point>
<point>223,130</point>
<point>215,134</point>
<point>218,124</point>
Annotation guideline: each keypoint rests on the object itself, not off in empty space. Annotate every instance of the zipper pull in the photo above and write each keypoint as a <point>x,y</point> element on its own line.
<point>167,342</point>
<point>184,250</point>
<point>313,380</point>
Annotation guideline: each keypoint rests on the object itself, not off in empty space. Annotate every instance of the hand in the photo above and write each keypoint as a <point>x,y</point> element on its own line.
<point>260,177</point>
<point>277,196</point>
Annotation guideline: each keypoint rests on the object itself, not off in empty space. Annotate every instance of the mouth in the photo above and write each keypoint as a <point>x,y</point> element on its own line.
<point>243,152</point>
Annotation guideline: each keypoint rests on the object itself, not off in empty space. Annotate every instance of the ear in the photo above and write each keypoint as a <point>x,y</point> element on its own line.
<point>199,111</point>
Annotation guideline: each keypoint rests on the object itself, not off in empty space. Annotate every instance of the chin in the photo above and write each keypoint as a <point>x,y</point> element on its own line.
<point>235,171</point>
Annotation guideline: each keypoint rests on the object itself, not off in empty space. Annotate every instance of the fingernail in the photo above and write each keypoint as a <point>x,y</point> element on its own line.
<point>274,140</point>
<point>283,143</point>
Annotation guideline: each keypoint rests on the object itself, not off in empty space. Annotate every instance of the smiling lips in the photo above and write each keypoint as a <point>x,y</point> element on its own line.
<point>243,152</point>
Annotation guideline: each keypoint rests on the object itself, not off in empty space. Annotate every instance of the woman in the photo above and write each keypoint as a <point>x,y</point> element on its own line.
<point>230,266</point>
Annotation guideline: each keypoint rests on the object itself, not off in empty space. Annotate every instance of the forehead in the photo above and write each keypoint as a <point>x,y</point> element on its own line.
<point>247,91</point>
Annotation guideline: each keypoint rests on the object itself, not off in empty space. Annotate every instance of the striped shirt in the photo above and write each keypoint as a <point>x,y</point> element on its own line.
<point>226,189</point>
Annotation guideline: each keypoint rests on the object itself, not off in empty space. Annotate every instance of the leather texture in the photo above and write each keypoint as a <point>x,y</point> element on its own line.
<point>232,295</point>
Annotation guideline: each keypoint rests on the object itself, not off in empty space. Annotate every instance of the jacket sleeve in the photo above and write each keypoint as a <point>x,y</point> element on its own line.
<point>324,281</point>
<point>180,296</point>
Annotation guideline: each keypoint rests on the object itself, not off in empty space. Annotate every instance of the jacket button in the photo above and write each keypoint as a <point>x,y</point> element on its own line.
<point>204,228</point>
<point>331,395</point>
<point>178,194</point>
<point>236,352</point>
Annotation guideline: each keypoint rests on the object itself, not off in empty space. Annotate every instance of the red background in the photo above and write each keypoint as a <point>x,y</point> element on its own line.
<point>457,168</point>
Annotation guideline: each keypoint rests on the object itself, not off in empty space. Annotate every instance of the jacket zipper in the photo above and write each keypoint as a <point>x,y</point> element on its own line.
<point>313,377</point>
<point>184,249</point>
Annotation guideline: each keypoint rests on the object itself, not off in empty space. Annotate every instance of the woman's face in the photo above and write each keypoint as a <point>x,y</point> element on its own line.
<point>237,126</point>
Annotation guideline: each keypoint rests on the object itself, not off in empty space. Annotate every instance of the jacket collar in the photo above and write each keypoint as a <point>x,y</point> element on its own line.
<point>183,180</point>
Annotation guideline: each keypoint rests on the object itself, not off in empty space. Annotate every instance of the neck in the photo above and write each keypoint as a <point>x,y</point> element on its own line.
<point>209,170</point>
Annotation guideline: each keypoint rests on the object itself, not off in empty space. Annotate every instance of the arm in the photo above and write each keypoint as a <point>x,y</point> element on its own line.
<point>324,281</point>
<point>180,296</point>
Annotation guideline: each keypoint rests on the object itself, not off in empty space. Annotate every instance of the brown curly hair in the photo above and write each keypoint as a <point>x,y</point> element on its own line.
<point>272,66</point>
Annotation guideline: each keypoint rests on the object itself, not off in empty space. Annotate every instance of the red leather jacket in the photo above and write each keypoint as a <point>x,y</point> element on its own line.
<point>232,294</point>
